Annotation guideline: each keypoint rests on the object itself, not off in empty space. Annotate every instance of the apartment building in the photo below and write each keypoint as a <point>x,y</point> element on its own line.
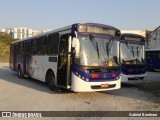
<point>20,32</point>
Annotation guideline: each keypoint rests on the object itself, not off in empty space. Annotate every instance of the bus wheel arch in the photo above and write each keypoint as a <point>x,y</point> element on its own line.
<point>50,80</point>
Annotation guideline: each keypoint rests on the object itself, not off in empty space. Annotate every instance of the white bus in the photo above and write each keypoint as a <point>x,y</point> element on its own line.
<point>153,50</point>
<point>132,57</point>
<point>79,57</point>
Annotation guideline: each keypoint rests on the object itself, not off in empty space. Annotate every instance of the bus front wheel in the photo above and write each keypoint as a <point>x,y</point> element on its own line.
<point>51,81</point>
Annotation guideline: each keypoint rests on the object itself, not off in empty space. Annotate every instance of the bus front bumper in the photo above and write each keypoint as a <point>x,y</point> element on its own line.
<point>79,85</point>
<point>126,78</point>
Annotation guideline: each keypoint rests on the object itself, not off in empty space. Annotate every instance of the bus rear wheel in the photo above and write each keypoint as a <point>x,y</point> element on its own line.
<point>50,78</point>
<point>20,75</point>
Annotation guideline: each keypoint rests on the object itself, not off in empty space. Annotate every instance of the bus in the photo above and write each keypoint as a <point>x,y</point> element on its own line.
<point>132,57</point>
<point>79,57</point>
<point>153,50</point>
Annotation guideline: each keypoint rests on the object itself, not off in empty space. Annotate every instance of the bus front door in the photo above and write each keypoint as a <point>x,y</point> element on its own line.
<point>63,72</point>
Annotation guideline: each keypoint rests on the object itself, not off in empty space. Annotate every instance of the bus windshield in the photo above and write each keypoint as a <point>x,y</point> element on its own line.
<point>132,53</point>
<point>97,52</point>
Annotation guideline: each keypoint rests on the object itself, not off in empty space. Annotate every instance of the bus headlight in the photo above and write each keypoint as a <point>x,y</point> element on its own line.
<point>87,79</point>
<point>118,77</point>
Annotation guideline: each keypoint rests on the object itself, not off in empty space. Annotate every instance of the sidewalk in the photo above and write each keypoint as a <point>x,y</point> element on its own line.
<point>4,64</point>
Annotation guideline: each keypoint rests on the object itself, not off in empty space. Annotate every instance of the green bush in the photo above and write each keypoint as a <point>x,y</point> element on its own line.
<point>5,41</point>
<point>6,38</point>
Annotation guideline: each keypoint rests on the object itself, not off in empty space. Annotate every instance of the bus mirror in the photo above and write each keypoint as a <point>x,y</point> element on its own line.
<point>76,44</point>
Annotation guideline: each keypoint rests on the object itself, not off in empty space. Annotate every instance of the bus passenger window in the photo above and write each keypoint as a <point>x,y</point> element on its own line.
<point>53,41</point>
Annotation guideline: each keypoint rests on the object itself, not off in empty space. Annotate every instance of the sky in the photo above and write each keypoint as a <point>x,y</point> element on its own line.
<point>52,14</point>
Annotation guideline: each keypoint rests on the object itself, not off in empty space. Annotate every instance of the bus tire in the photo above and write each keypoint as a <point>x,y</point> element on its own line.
<point>156,70</point>
<point>20,75</point>
<point>50,78</point>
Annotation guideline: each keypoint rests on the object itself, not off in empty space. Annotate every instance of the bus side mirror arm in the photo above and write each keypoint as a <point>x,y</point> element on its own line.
<point>75,34</point>
<point>69,44</point>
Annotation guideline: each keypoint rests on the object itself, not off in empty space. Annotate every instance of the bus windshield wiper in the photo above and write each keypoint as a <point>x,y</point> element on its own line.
<point>131,49</point>
<point>143,60</point>
<point>94,43</point>
<point>138,49</point>
<point>108,46</point>
<point>116,60</point>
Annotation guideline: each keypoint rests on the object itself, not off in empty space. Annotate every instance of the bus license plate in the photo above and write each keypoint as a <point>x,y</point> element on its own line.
<point>104,85</point>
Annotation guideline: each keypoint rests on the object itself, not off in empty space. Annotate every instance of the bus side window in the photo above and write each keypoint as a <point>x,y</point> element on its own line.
<point>11,49</point>
<point>44,40</point>
<point>53,42</point>
<point>158,55</point>
<point>31,47</point>
<point>38,46</point>
<point>27,48</point>
<point>34,46</point>
<point>148,55</point>
<point>43,45</point>
<point>16,49</point>
<point>21,48</point>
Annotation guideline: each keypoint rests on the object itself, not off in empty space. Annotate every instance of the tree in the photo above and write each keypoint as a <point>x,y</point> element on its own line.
<point>5,41</point>
<point>6,38</point>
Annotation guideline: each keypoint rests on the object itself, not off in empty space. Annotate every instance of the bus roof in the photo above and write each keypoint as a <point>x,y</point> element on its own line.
<point>101,25</point>
<point>46,33</point>
<point>132,37</point>
<point>70,27</point>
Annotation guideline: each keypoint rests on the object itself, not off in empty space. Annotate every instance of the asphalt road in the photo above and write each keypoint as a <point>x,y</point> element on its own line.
<point>31,95</point>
